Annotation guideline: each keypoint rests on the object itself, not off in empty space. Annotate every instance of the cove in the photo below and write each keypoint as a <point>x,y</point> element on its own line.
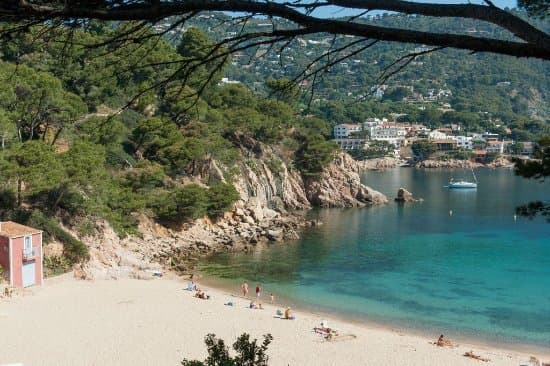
<point>458,263</point>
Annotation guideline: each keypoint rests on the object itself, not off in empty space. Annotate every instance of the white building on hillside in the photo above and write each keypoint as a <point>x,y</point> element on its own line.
<point>464,142</point>
<point>344,130</point>
<point>437,135</point>
<point>393,133</point>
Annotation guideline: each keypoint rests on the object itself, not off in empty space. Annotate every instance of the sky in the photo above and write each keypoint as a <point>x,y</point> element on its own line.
<point>336,12</point>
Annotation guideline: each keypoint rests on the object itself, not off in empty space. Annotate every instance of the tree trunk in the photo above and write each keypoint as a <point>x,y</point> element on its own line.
<point>60,196</point>
<point>19,189</point>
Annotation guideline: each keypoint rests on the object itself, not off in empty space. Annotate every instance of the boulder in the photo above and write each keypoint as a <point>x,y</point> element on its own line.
<point>275,235</point>
<point>405,196</point>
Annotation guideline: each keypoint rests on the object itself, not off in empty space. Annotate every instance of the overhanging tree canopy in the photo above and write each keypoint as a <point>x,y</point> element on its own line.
<point>527,40</point>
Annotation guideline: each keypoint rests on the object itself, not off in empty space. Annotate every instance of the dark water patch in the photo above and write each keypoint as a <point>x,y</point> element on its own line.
<point>479,236</point>
<point>506,317</point>
<point>464,292</point>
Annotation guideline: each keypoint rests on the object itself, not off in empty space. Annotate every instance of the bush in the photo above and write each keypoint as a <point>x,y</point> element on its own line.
<point>313,155</point>
<point>1,273</point>
<point>56,265</point>
<point>249,353</point>
<point>220,197</point>
<point>423,149</point>
<point>460,154</point>
<point>73,249</point>
<point>181,204</point>
<point>192,201</point>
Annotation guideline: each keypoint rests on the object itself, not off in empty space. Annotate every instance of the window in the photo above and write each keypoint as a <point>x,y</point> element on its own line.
<point>27,249</point>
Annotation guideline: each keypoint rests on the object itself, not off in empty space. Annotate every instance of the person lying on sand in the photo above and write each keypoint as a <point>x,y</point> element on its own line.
<point>254,306</point>
<point>325,331</point>
<point>471,354</point>
<point>202,295</point>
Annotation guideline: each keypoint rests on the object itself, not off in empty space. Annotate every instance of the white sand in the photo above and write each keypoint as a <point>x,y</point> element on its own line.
<point>132,322</point>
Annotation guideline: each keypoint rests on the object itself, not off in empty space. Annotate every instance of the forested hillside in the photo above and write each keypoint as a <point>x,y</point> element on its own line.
<point>68,155</point>
<point>482,89</point>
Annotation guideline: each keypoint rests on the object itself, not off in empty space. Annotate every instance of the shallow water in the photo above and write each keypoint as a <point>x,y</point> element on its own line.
<point>459,262</point>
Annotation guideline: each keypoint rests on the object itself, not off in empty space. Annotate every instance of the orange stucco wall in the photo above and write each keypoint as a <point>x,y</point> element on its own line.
<point>5,257</point>
<point>17,245</point>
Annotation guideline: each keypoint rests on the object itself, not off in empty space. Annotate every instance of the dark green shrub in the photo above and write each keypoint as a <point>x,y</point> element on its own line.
<point>249,353</point>
<point>181,204</point>
<point>220,197</point>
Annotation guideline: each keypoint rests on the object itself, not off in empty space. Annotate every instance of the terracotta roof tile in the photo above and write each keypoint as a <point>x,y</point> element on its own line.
<point>12,229</point>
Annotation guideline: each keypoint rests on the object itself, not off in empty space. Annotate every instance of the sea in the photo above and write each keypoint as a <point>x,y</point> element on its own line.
<point>460,262</point>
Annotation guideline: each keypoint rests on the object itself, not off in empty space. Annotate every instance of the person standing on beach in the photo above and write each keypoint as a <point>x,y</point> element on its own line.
<point>258,290</point>
<point>272,298</point>
<point>244,288</point>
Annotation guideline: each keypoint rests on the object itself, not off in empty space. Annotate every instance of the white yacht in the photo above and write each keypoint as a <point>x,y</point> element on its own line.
<point>461,184</point>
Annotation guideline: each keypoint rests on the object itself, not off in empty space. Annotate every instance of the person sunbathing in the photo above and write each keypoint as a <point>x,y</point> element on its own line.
<point>254,306</point>
<point>288,314</point>
<point>201,295</point>
<point>471,354</point>
<point>443,342</point>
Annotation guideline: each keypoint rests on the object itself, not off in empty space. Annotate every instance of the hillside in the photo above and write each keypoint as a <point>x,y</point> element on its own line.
<point>90,169</point>
<point>484,89</point>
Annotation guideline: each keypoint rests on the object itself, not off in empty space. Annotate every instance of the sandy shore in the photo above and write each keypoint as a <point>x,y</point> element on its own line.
<point>157,322</point>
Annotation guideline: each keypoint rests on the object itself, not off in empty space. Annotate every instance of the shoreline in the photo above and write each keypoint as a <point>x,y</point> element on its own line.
<point>462,339</point>
<point>157,322</point>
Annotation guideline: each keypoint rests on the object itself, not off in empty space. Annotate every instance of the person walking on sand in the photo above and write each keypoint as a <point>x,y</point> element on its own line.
<point>271,298</point>
<point>258,290</point>
<point>244,288</point>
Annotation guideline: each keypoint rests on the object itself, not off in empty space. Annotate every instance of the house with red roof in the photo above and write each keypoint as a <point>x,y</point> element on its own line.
<point>21,254</point>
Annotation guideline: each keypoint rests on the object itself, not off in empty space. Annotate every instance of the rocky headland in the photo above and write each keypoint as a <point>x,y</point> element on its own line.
<point>274,199</point>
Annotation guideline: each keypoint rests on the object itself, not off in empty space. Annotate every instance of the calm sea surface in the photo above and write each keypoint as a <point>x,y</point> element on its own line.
<point>477,271</point>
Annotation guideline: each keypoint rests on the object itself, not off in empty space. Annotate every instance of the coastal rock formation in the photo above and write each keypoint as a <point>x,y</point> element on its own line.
<point>379,163</point>
<point>501,162</point>
<point>273,200</point>
<point>340,186</point>
<point>405,196</point>
<point>451,163</point>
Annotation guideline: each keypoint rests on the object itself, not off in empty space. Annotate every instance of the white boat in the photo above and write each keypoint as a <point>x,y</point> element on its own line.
<point>461,184</point>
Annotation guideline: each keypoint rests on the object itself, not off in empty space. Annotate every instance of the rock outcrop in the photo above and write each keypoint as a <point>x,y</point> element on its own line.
<point>340,186</point>
<point>451,163</point>
<point>405,196</point>
<point>501,162</point>
<point>379,163</point>
<point>273,200</point>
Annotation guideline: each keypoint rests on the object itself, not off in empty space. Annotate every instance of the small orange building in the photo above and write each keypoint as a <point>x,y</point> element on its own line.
<point>21,254</point>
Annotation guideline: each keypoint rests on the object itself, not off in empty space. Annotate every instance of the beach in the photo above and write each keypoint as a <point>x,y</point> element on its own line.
<point>158,322</point>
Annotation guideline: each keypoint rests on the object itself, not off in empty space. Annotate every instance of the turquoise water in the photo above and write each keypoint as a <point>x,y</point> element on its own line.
<point>476,272</point>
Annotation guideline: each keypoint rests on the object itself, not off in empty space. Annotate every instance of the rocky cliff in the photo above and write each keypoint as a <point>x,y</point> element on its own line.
<point>272,207</point>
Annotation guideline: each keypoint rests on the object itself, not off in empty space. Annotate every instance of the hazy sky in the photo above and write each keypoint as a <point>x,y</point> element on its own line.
<point>336,12</point>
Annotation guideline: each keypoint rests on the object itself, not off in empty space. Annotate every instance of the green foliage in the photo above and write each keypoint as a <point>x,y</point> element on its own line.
<point>1,274</point>
<point>283,89</point>
<point>460,154</point>
<point>73,249</point>
<point>56,265</point>
<point>313,155</point>
<point>423,149</point>
<point>375,149</point>
<point>66,164</point>
<point>181,204</point>
<point>34,165</point>
<point>192,201</point>
<point>397,94</point>
<point>195,47</point>
<point>249,352</point>
<point>220,197</point>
